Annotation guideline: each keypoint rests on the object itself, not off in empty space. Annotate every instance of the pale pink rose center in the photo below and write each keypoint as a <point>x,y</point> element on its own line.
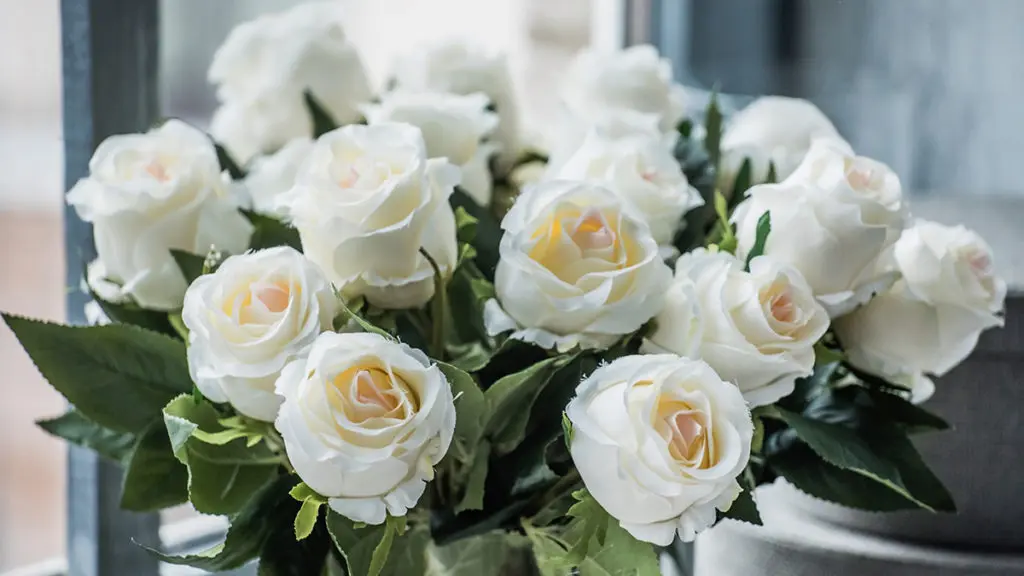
<point>861,175</point>
<point>686,435</point>
<point>980,262</point>
<point>368,391</point>
<point>782,307</point>
<point>349,178</point>
<point>592,232</point>
<point>274,297</point>
<point>158,171</point>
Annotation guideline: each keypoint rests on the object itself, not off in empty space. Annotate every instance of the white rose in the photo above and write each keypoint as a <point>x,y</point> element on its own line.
<point>931,319</point>
<point>577,267</point>
<point>364,422</point>
<point>635,78</point>
<point>616,123</point>
<point>266,64</point>
<point>147,194</point>
<point>460,68</point>
<point>454,127</point>
<point>251,317</point>
<point>365,202</point>
<point>659,441</point>
<point>641,170</point>
<point>835,220</point>
<point>270,177</point>
<point>757,329</point>
<point>774,129</point>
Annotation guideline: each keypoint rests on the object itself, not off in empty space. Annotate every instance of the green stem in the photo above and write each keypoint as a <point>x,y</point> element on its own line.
<point>438,310</point>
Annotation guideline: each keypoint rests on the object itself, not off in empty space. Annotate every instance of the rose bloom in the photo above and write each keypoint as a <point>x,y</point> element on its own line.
<point>461,68</point>
<point>835,220</point>
<point>248,319</point>
<point>365,202</point>
<point>640,169</point>
<point>269,177</point>
<point>454,127</point>
<point>266,64</point>
<point>577,268</point>
<point>364,422</point>
<point>635,78</point>
<point>659,441</point>
<point>931,319</point>
<point>774,130</point>
<point>145,195</point>
<point>757,329</point>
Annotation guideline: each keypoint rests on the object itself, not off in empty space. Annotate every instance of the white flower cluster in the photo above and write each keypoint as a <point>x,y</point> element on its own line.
<point>659,438</point>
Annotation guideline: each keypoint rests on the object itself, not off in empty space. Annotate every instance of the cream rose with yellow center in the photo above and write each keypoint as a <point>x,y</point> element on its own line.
<point>577,267</point>
<point>659,441</point>
<point>364,422</point>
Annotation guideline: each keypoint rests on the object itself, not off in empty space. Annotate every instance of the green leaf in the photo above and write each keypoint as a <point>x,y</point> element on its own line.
<point>881,460</point>
<point>131,313</point>
<point>191,265</point>
<point>302,492</point>
<point>363,324</point>
<point>392,527</point>
<point>920,481</point>
<point>621,554</point>
<point>306,519</point>
<point>262,514</point>
<point>470,404</point>
<point>588,526</point>
<point>220,478</point>
<point>773,174</point>
<point>219,438</point>
<point>805,470</point>
<point>118,376</point>
<point>510,399</point>
<point>473,495</point>
<point>713,127</point>
<point>358,546</point>
<point>79,430</point>
<point>548,550</point>
<point>567,430</point>
<point>154,479</point>
<point>495,553</point>
<point>320,117</point>
<point>764,227</point>
<point>744,508</point>
<point>269,232</point>
<point>283,555</point>
<point>469,356</point>
<point>488,232</point>
<point>742,182</point>
<point>227,163</point>
<point>685,128</point>
<point>757,444</point>
<point>903,412</point>
<point>179,326</point>
<point>465,224</point>
<point>601,547</point>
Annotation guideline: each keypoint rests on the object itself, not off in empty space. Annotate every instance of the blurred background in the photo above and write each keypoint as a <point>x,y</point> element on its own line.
<point>932,87</point>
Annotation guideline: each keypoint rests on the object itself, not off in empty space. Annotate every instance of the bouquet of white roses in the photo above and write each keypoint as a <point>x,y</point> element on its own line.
<point>383,338</point>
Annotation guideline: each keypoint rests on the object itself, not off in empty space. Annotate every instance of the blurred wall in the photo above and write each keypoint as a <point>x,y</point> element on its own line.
<point>931,87</point>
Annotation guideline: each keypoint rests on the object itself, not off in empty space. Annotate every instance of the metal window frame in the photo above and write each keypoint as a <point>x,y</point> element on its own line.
<point>109,67</point>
